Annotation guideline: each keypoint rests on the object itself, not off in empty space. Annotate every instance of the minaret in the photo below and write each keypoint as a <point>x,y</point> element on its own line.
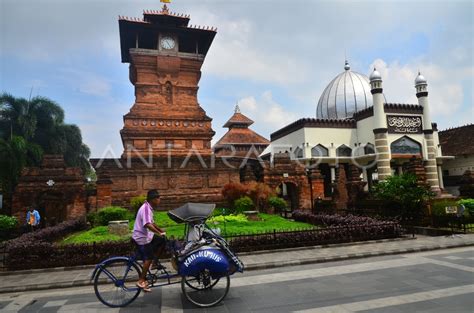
<point>430,159</point>
<point>380,127</point>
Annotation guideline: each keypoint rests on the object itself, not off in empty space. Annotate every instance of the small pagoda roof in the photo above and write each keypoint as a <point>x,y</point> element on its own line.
<point>238,119</point>
<point>241,136</point>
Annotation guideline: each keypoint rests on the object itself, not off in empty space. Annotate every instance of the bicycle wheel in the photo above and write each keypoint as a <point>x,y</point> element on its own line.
<point>114,283</point>
<point>204,290</point>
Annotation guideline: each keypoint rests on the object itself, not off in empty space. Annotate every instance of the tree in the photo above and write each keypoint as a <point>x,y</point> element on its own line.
<point>405,192</point>
<point>15,154</point>
<point>41,122</point>
<point>31,128</point>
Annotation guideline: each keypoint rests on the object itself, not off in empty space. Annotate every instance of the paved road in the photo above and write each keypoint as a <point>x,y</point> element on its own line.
<point>437,281</point>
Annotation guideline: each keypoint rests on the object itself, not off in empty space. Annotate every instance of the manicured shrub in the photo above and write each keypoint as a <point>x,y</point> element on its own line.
<point>92,218</point>
<point>241,218</point>
<point>8,222</point>
<point>405,191</point>
<point>277,203</point>
<point>232,192</point>
<point>438,207</point>
<point>137,202</point>
<point>468,204</point>
<point>260,194</point>
<point>105,215</point>
<point>243,204</point>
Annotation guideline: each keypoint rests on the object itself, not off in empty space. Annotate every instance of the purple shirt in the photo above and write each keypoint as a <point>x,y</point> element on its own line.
<point>141,234</point>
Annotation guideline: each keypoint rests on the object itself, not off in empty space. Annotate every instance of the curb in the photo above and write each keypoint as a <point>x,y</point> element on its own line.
<point>261,266</point>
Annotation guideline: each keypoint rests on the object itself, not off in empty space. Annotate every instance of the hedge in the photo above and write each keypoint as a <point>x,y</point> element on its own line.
<point>338,229</point>
<point>37,249</point>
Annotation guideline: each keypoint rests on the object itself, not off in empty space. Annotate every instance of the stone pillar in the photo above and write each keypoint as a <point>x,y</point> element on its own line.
<point>333,173</point>
<point>440,176</point>
<point>383,154</point>
<point>365,178</point>
<point>380,127</point>
<point>430,159</point>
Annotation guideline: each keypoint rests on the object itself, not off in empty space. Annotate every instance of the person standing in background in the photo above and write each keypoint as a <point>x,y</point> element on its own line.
<point>33,219</point>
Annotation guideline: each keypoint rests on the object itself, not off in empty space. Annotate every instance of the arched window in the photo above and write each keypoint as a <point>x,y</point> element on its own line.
<point>344,151</point>
<point>298,153</point>
<point>405,145</point>
<point>369,148</point>
<point>319,151</point>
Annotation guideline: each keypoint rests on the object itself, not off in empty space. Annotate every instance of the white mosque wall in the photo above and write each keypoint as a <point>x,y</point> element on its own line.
<point>365,131</point>
<point>331,138</point>
<point>459,165</point>
<point>292,141</point>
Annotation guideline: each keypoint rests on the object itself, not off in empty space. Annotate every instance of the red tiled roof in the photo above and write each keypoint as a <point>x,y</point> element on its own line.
<point>457,141</point>
<point>241,136</point>
<point>238,119</point>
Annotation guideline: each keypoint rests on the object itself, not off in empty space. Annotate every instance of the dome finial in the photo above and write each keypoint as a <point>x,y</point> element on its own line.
<point>420,79</point>
<point>375,76</point>
<point>347,66</point>
<point>237,109</point>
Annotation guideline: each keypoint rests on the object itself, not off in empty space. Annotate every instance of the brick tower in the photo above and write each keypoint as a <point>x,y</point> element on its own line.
<point>166,134</point>
<point>165,56</point>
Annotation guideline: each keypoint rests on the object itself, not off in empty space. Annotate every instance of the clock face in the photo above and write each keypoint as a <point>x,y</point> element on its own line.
<point>167,43</point>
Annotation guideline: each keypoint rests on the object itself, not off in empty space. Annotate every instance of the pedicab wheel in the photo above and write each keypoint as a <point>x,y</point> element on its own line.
<point>205,290</point>
<point>114,283</point>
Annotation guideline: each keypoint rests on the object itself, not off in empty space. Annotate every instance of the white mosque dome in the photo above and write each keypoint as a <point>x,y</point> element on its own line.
<point>346,94</point>
<point>420,79</point>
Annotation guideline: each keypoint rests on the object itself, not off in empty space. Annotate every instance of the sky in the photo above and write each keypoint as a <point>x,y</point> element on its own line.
<point>273,58</point>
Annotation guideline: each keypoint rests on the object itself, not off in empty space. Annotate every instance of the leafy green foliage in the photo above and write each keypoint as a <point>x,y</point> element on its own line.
<point>137,202</point>
<point>8,222</point>
<point>438,207</point>
<point>31,128</point>
<point>260,194</point>
<point>404,191</point>
<point>232,192</point>
<point>15,154</point>
<point>243,204</point>
<point>105,215</point>
<point>468,204</point>
<point>239,218</point>
<point>277,203</point>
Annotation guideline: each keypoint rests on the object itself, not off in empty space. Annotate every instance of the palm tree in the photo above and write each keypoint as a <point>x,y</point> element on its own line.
<point>29,128</point>
<point>15,154</point>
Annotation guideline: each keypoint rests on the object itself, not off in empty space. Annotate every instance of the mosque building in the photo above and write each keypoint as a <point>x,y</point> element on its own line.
<point>355,124</point>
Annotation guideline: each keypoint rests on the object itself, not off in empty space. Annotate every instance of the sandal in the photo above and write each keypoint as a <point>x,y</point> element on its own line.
<point>143,286</point>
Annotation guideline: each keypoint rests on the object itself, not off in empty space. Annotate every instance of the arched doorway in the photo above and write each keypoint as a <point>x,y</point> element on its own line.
<point>289,192</point>
<point>52,208</point>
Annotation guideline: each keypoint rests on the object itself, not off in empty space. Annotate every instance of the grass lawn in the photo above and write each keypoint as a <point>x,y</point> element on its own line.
<point>233,227</point>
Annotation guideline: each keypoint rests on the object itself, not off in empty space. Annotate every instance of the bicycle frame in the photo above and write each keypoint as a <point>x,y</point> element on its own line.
<point>130,261</point>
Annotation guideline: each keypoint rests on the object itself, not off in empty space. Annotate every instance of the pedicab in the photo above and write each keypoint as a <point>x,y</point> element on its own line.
<point>202,265</point>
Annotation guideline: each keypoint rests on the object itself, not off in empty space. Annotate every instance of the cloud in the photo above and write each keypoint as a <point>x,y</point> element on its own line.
<point>266,112</point>
<point>446,96</point>
<point>86,82</point>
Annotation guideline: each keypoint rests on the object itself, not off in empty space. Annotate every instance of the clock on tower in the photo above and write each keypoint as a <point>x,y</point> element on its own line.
<point>165,55</point>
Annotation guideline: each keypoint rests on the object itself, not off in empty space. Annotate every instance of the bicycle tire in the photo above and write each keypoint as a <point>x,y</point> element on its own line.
<point>102,278</point>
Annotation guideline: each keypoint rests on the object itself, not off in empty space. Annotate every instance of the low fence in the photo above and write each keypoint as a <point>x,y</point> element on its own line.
<point>21,254</point>
<point>312,237</point>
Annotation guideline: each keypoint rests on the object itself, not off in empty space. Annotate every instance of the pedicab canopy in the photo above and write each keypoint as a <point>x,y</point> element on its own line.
<point>191,212</point>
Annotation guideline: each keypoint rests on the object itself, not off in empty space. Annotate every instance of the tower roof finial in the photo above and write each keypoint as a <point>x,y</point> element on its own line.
<point>237,109</point>
<point>164,9</point>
